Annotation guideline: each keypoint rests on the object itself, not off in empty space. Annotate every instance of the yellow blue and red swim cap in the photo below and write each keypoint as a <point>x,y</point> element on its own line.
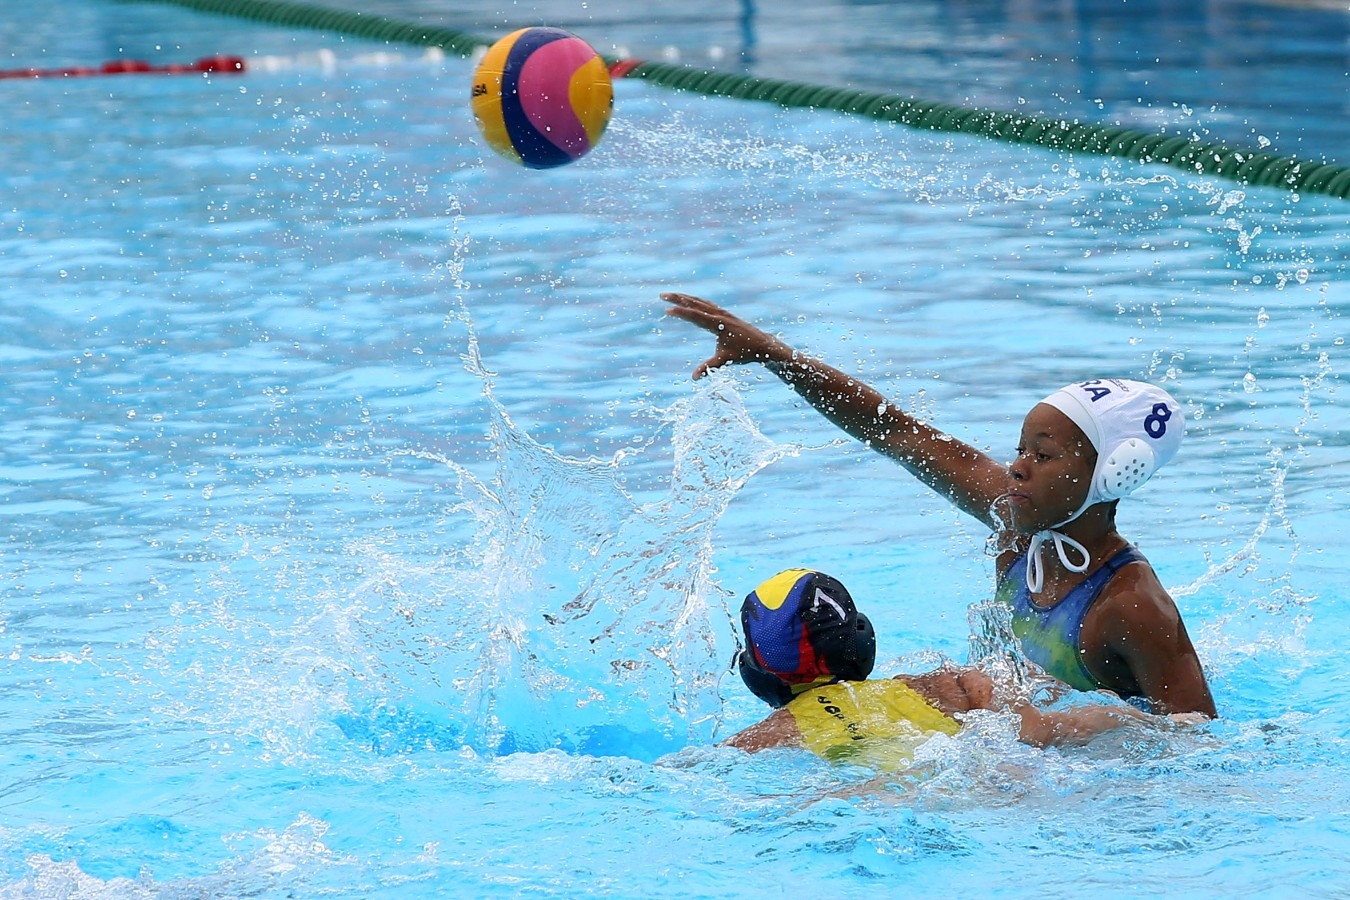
<point>802,630</point>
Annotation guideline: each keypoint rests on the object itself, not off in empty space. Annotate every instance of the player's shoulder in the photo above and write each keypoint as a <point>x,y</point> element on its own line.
<point>1134,599</point>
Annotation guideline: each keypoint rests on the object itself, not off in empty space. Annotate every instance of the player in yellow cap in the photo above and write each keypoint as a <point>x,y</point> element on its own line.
<point>809,653</point>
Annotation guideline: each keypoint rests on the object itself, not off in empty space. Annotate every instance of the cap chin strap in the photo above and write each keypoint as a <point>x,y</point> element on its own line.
<point>1063,543</point>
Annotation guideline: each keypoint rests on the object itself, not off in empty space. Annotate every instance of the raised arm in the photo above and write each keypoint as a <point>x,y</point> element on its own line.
<point>968,478</point>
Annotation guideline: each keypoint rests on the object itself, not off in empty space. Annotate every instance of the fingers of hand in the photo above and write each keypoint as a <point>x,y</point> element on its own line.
<point>679,299</point>
<point>691,303</point>
<point>681,305</point>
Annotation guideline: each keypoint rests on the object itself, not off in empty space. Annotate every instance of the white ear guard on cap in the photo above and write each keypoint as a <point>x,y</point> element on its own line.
<point>1124,469</point>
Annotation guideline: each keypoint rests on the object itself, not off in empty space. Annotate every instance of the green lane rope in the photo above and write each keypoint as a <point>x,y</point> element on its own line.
<point>320,18</point>
<point>1245,166</point>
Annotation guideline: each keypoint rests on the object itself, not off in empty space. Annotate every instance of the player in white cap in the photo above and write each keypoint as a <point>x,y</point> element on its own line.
<point>1087,606</point>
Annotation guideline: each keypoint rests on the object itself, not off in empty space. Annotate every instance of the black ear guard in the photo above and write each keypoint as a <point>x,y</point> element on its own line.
<point>864,649</point>
<point>762,683</point>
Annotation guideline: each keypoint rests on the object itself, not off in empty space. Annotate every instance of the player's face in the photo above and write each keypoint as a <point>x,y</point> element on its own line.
<point>1049,478</point>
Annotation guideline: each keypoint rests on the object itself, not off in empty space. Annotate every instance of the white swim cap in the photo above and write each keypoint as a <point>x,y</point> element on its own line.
<point>1135,428</point>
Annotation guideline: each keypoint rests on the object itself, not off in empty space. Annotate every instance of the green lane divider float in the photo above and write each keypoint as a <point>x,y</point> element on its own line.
<point>1196,157</point>
<point>375,28</point>
<point>1238,164</point>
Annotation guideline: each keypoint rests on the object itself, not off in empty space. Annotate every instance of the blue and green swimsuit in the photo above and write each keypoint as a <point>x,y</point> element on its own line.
<point>1052,637</point>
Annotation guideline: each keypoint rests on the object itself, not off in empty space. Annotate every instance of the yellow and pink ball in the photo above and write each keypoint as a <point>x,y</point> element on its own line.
<point>542,97</point>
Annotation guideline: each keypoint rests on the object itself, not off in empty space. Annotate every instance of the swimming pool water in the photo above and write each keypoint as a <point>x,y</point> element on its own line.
<point>364,536</point>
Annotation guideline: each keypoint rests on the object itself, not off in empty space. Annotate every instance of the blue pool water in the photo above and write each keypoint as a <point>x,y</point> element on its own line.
<point>362,534</point>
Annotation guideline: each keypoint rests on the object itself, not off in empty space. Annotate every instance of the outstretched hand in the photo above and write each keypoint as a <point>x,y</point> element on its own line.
<point>737,340</point>
<point>953,468</point>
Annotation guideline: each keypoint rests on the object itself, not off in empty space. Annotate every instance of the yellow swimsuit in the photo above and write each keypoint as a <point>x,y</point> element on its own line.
<point>872,723</point>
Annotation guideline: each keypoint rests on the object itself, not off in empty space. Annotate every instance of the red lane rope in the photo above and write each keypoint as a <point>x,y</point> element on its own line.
<point>219,63</point>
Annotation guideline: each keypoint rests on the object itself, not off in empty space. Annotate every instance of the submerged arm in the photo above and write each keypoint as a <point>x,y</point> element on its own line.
<point>957,690</point>
<point>778,730</point>
<point>965,476</point>
<point>1069,727</point>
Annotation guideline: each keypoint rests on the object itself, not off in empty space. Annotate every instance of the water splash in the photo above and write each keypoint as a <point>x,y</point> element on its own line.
<point>993,645</point>
<point>270,863</point>
<point>573,617</point>
<point>591,619</point>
